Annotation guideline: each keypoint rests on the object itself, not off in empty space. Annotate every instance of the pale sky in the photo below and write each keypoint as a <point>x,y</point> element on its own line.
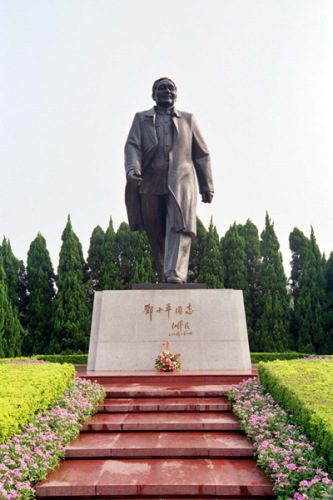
<point>257,74</point>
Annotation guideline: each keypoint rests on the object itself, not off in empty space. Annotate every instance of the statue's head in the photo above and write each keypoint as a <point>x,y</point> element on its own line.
<point>164,92</point>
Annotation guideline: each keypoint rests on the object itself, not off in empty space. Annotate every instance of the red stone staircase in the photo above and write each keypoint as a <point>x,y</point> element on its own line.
<point>160,436</point>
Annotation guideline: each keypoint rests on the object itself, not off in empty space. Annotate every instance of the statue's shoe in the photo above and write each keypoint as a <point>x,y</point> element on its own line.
<point>174,279</point>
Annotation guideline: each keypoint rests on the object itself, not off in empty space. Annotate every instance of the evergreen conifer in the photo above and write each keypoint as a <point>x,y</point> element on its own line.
<point>126,254</point>
<point>94,262</point>
<point>143,267</point>
<point>143,272</point>
<point>11,331</point>
<point>273,327</point>
<point>109,274</point>
<point>233,254</point>
<point>40,282</point>
<point>72,318</point>
<point>299,246</point>
<point>196,254</point>
<point>212,269</point>
<point>95,253</point>
<point>311,306</point>
<point>249,232</point>
<point>15,277</point>
<point>329,295</point>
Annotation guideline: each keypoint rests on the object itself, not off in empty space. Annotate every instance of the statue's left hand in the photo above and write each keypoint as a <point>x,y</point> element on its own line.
<point>207,197</point>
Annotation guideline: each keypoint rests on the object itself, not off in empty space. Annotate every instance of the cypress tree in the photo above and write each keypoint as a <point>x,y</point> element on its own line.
<point>273,327</point>
<point>143,272</point>
<point>72,318</point>
<point>329,295</point>
<point>232,248</point>
<point>249,232</point>
<point>311,306</point>
<point>15,277</point>
<point>11,331</point>
<point>40,281</point>
<point>109,274</point>
<point>94,259</point>
<point>125,244</point>
<point>196,254</point>
<point>299,246</point>
<point>143,265</point>
<point>212,269</point>
<point>95,252</point>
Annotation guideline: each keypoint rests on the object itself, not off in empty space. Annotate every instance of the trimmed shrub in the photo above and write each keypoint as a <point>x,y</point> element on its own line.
<point>256,357</point>
<point>73,359</point>
<point>27,389</point>
<point>304,387</point>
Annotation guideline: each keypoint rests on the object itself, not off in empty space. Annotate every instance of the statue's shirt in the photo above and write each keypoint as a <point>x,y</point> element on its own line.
<point>155,179</point>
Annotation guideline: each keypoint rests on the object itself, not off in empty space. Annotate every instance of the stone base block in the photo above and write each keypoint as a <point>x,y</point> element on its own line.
<point>207,327</point>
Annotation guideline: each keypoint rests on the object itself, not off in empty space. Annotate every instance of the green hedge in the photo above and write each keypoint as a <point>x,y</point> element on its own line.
<point>306,388</point>
<point>74,359</point>
<point>82,359</point>
<point>27,389</point>
<point>256,357</point>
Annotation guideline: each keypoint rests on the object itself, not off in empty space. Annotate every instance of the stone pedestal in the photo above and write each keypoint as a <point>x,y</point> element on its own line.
<point>207,327</point>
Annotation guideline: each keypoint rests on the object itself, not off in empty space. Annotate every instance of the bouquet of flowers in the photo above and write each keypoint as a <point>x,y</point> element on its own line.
<point>167,362</point>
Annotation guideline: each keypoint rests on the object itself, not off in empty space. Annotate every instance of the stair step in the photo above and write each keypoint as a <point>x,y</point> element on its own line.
<point>161,404</point>
<point>161,422</point>
<point>155,477</point>
<point>163,389</point>
<point>265,497</point>
<point>160,444</point>
<point>188,376</point>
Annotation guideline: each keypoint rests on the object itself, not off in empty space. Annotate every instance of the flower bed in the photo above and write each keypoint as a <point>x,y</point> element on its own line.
<point>306,388</point>
<point>285,454</point>
<point>27,388</point>
<point>30,455</point>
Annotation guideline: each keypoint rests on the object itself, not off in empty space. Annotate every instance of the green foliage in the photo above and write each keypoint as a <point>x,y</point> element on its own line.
<point>126,255</point>
<point>311,306</point>
<point>252,259</point>
<point>40,282</point>
<point>109,275</point>
<point>256,357</point>
<point>11,331</point>
<point>273,327</point>
<point>329,295</point>
<point>95,258</point>
<point>143,271</point>
<point>212,269</point>
<point>72,317</point>
<point>72,359</point>
<point>15,278</point>
<point>143,261</point>
<point>232,248</point>
<point>196,254</point>
<point>305,388</point>
<point>299,246</point>
<point>27,389</point>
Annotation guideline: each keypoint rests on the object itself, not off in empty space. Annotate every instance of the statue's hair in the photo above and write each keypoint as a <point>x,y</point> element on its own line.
<point>159,80</point>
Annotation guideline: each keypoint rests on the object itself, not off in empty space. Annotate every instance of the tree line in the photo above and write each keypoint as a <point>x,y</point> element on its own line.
<point>46,313</point>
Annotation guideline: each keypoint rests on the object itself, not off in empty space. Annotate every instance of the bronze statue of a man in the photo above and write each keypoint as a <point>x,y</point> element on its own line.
<point>164,154</point>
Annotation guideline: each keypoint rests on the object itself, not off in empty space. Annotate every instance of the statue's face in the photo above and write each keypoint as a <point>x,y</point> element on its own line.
<point>165,94</point>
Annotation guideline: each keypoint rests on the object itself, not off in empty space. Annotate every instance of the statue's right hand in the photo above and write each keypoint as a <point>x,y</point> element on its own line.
<point>134,175</point>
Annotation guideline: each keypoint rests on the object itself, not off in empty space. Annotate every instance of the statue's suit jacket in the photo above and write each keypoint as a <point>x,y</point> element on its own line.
<point>189,159</point>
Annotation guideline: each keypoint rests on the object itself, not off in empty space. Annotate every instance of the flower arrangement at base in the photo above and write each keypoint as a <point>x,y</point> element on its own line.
<point>168,362</point>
